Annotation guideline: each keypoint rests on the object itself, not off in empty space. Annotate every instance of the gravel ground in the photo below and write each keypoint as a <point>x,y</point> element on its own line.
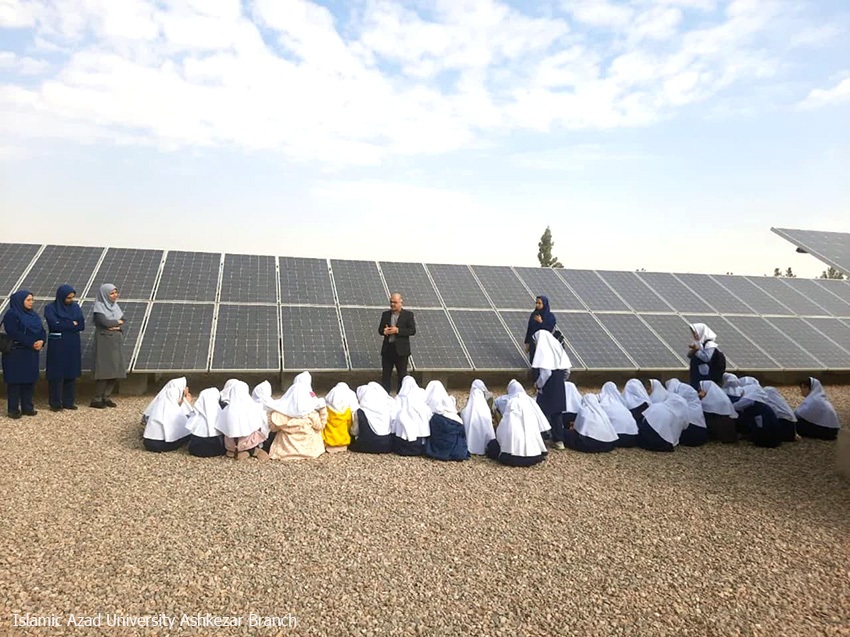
<point>718,540</point>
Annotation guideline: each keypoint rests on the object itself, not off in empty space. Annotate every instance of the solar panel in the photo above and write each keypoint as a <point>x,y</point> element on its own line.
<point>833,248</point>
<point>489,344</point>
<point>134,315</point>
<point>358,283</point>
<point>779,289</point>
<point>781,348</point>
<point>132,271</point>
<point>719,298</point>
<point>677,294</point>
<point>841,289</point>
<point>412,282</point>
<point>305,281</point>
<point>189,276</point>
<point>634,291</point>
<point>503,287</point>
<point>246,338</point>
<point>740,352</point>
<point>833,328</point>
<point>672,329</point>
<point>756,298</point>
<point>592,343</point>
<point>362,338</point>
<point>312,339</point>
<point>818,294</point>
<point>546,282</point>
<point>436,345</point>
<point>57,265</point>
<point>249,278</point>
<point>812,341</point>
<point>641,344</point>
<point>517,323</point>
<point>593,290</point>
<point>176,338</point>
<point>457,286</point>
<point>14,259</point>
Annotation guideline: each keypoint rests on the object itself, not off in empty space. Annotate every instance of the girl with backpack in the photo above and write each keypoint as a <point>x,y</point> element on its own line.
<point>707,361</point>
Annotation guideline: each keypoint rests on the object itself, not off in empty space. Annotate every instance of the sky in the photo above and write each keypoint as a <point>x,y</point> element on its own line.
<point>669,135</point>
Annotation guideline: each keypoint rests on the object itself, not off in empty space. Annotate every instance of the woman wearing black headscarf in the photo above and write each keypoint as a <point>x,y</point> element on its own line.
<point>20,364</point>
<point>540,319</point>
<point>65,321</point>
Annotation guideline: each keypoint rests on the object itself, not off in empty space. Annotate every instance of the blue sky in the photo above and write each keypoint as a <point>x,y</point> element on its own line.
<point>660,134</point>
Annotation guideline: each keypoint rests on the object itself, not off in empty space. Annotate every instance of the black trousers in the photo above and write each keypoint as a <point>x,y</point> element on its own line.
<point>63,392</point>
<point>390,359</point>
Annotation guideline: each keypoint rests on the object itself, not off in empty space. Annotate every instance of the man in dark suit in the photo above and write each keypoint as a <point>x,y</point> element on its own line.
<point>397,326</point>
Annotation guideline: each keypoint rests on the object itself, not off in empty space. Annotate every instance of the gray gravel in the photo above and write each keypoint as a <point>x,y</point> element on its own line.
<point>717,540</point>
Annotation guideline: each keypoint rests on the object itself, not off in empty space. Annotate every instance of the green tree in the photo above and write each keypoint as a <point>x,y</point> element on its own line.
<point>789,274</point>
<point>544,251</point>
<point>831,273</point>
<point>777,272</point>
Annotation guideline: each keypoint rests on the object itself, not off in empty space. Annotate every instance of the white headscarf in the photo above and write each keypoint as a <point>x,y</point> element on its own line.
<point>668,419</point>
<point>440,402</point>
<point>477,420</point>
<point>262,394</point>
<point>377,406</point>
<point>750,393</point>
<point>299,400</point>
<point>731,385</point>
<point>705,336</point>
<point>634,394</point>
<point>659,393</point>
<point>573,403</point>
<point>779,405</point>
<point>108,308</point>
<point>695,413</point>
<point>166,415</point>
<point>530,406</point>
<point>202,422</point>
<point>549,353</point>
<point>716,401</point>
<point>817,409</point>
<point>341,397</point>
<point>519,430</point>
<point>242,416</point>
<point>612,402</point>
<point>593,422</point>
<point>515,388</point>
<point>412,414</point>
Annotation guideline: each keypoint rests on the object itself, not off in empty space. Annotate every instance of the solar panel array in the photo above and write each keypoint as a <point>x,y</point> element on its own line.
<point>192,311</point>
<point>833,248</point>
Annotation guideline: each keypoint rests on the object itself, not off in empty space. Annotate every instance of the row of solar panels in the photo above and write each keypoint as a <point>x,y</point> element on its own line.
<point>833,248</point>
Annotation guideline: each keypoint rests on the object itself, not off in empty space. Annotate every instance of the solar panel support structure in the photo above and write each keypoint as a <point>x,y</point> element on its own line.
<point>279,314</point>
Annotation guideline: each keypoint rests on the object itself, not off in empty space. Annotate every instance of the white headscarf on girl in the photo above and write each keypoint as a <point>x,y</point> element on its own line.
<point>341,397</point>
<point>299,400</point>
<point>634,394</point>
<point>706,338</point>
<point>779,405</point>
<point>593,422</point>
<point>817,409</point>
<point>477,420</point>
<point>548,355</point>
<point>668,419</point>
<point>515,388</point>
<point>610,390</point>
<point>262,394</point>
<point>167,415</point>
<point>621,418</point>
<point>573,403</point>
<point>440,402</point>
<point>243,415</point>
<point>412,414</point>
<point>695,413</point>
<point>518,432</point>
<point>377,406</point>
<point>202,422</point>
<point>716,401</point>
<point>658,393</point>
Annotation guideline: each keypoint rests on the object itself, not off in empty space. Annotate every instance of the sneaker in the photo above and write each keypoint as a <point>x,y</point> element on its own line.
<point>54,408</point>
<point>97,404</point>
<point>109,403</point>
<point>559,446</point>
<point>14,415</point>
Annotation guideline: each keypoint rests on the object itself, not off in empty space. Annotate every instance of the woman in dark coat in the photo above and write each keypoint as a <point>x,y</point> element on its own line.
<point>540,319</point>
<point>20,365</point>
<point>65,321</point>
<point>109,362</point>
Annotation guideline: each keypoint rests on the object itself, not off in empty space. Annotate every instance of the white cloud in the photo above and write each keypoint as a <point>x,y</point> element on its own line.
<point>816,36</point>
<point>9,61</point>
<point>819,98</point>
<point>16,14</point>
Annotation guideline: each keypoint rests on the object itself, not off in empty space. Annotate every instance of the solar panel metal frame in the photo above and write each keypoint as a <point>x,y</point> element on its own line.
<point>817,242</point>
<point>832,303</point>
<point>567,324</point>
<point>748,325</point>
<point>205,339</point>
<point>59,270</point>
<point>517,322</point>
<point>455,282</point>
<point>743,287</point>
<point>635,293</point>
<point>239,284</point>
<point>428,344</point>
<point>16,259</point>
<point>176,271</point>
<point>545,281</point>
<point>633,339</point>
<point>413,282</point>
<point>728,333</point>
<point>678,295</point>
<point>811,340</point>
<point>313,284</point>
<point>347,279</point>
<point>225,338</point>
<point>593,290</point>
<point>475,339</point>
<point>286,312</point>
<point>503,287</point>
<point>715,295</point>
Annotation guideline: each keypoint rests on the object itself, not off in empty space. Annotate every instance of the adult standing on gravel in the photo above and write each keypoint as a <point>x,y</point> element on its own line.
<point>20,363</point>
<point>109,361</point>
<point>397,326</point>
<point>65,321</point>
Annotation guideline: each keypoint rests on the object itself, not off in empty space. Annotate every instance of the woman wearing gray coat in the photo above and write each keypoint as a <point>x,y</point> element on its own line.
<point>109,362</point>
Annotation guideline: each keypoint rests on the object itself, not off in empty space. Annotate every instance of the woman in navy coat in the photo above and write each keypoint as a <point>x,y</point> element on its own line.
<point>20,365</point>
<point>64,353</point>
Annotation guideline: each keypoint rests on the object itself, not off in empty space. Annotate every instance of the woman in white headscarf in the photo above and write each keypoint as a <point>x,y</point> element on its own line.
<point>661,424</point>
<point>243,421</point>
<point>478,419</point>
<point>552,366</point>
<point>262,395</point>
<point>635,397</point>
<point>621,418</point>
<point>448,437</point>
<point>657,392</point>
<point>518,441</point>
<point>816,417</point>
<point>411,416</point>
<point>756,418</point>
<point>515,388</point>
<point>706,360</point>
<point>298,418</point>
<point>205,440</point>
<point>342,409</point>
<point>696,433</point>
<point>372,429</point>
<point>573,403</point>
<point>166,416</point>
<point>720,414</point>
<point>785,416</point>
<point>593,431</point>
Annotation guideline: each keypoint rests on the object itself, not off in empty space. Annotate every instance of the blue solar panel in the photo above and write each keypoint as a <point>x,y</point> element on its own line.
<point>14,260</point>
<point>755,297</point>
<point>361,337</point>
<point>677,294</point>
<point>312,339</point>
<point>640,343</point>
<point>812,341</point>
<point>504,287</point>
<point>57,265</point>
<point>719,298</point>
<point>358,283</point>
<point>457,286</point>
<point>782,349</point>
<point>176,338</point>
<point>305,281</point>
<point>412,282</point>
<point>249,278</point>
<point>189,276</point>
<point>592,343</point>
<point>591,289</point>
<point>634,291</point>
<point>489,344</point>
<point>546,282</point>
<point>246,338</point>
<point>741,352</point>
<point>133,272</point>
<point>517,323</point>
<point>436,345</point>
<point>818,294</point>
